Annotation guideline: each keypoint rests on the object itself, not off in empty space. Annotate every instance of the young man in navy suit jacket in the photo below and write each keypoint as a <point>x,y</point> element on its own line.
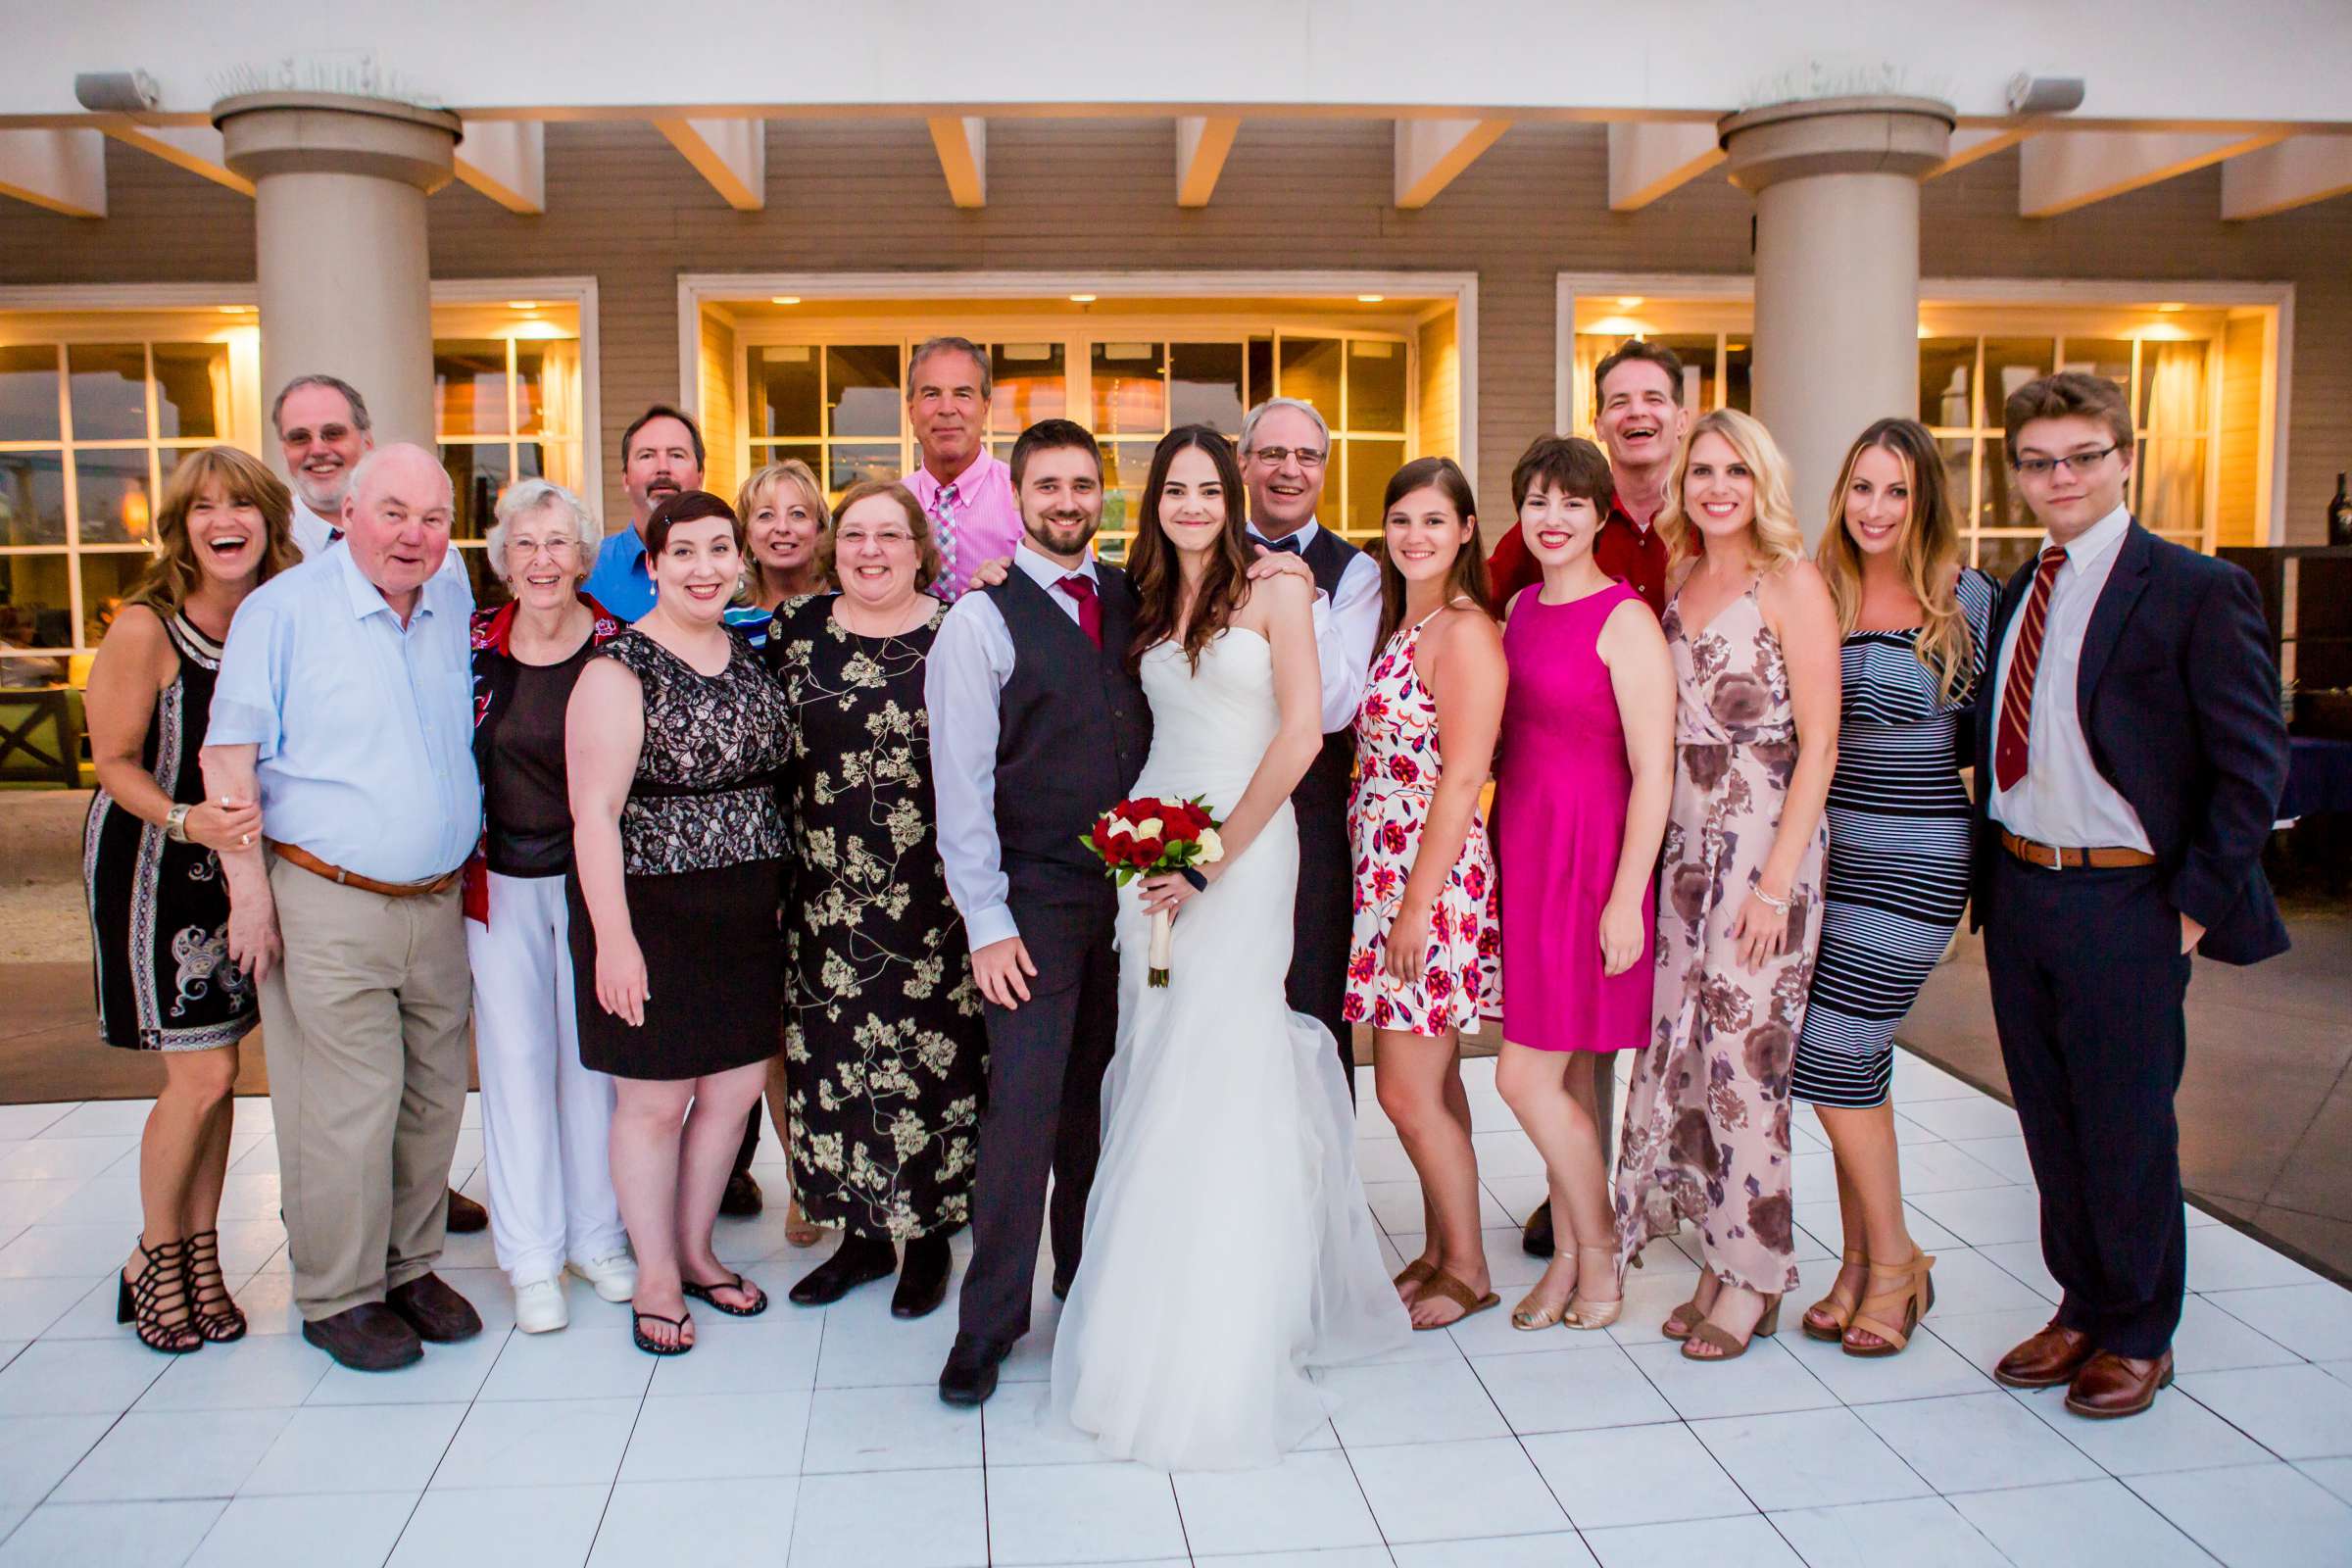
<point>2130,757</point>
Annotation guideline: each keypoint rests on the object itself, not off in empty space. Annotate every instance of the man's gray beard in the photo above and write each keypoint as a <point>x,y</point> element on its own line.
<point>331,511</point>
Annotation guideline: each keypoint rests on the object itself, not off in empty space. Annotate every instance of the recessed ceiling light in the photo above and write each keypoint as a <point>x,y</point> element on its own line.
<point>523,305</point>
<point>1370,299</point>
<point>1627,301</point>
<point>1082,299</point>
<point>783,299</point>
<point>237,310</point>
<point>2171,310</point>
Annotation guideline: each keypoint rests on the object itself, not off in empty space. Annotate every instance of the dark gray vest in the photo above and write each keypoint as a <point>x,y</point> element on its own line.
<point>1328,779</point>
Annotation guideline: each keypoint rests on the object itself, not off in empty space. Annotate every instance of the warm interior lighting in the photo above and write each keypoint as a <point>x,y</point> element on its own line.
<point>523,305</point>
<point>1082,299</point>
<point>1370,299</point>
<point>135,513</point>
<point>783,299</point>
<point>237,310</point>
<point>1923,331</point>
<point>1628,302</point>
<point>2171,310</point>
<point>1619,326</point>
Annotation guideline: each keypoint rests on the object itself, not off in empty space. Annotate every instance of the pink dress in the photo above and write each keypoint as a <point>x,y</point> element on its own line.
<point>1397,764</point>
<point>1562,782</point>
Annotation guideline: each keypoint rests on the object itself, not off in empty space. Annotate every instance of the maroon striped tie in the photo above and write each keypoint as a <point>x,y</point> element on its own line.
<point>2017,694</point>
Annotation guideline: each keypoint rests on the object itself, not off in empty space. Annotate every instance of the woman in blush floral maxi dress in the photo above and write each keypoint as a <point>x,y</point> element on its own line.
<point>1754,639</point>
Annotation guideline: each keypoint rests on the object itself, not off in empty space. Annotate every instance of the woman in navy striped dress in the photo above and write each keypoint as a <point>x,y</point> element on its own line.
<point>1916,625</point>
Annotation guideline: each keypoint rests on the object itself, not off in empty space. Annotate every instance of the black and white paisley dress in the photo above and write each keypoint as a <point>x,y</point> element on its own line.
<point>159,911</point>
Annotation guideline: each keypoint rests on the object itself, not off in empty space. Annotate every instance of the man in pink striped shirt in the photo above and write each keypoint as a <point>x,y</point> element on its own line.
<point>964,490</point>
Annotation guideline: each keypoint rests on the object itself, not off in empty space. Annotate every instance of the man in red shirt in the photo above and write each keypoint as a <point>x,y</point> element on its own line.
<point>1641,422</point>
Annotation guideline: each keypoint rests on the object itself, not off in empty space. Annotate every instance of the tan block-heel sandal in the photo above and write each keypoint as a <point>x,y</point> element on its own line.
<point>1724,1347</point>
<point>1837,1308</point>
<point>1446,1287</point>
<point>1583,1312</point>
<point>1897,1298</point>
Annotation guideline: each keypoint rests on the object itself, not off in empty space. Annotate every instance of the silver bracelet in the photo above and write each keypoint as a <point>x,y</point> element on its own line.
<point>1775,906</point>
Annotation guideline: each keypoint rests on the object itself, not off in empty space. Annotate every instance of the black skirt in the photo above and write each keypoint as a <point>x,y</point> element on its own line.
<point>712,964</point>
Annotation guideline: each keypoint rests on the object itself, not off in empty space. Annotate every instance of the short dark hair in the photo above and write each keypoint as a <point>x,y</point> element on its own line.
<point>351,395</point>
<point>1046,435</point>
<point>1642,350</point>
<point>688,506</point>
<point>2067,394</point>
<point>948,343</point>
<point>662,411</point>
<point>1568,463</point>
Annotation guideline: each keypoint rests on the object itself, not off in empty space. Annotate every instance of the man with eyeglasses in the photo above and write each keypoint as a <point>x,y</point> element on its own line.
<point>1285,455</point>
<point>2130,758</point>
<point>962,486</point>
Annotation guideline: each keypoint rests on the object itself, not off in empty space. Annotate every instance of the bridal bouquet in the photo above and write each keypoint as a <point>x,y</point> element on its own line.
<point>1151,838</point>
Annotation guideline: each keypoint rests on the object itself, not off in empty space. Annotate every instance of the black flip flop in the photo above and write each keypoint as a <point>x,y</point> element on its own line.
<point>654,1346</point>
<point>702,1293</point>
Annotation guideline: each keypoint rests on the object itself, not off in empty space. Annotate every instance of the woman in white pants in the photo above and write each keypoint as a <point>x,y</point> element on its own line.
<point>546,1119</point>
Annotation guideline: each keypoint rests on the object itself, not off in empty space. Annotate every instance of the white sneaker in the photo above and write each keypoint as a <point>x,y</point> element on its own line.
<point>614,1275</point>
<point>539,1306</point>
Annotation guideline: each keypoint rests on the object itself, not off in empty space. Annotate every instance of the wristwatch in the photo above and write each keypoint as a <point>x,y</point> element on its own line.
<point>175,824</point>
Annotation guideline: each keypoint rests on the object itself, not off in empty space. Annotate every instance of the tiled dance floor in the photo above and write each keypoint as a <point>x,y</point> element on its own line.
<point>815,1437</point>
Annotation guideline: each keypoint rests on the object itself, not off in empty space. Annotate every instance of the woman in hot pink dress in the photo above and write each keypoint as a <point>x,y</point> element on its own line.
<point>1582,780</point>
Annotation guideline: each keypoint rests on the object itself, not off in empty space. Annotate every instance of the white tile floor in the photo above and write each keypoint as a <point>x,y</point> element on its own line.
<point>816,1438</point>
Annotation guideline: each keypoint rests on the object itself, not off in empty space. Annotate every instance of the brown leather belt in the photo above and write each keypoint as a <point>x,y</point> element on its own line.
<point>2052,859</point>
<point>295,855</point>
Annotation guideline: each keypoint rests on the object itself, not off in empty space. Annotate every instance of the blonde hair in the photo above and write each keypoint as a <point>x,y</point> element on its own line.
<point>1927,553</point>
<point>1778,538</point>
<point>242,478</point>
<point>789,470</point>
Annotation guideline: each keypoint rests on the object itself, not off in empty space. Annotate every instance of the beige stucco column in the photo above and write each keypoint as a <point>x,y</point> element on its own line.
<point>1837,188</point>
<point>339,225</point>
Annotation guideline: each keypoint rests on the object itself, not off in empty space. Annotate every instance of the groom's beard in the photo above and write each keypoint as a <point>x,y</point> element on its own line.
<point>1061,533</point>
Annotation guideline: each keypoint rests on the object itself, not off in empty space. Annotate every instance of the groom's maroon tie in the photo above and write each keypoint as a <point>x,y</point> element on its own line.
<point>1081,591</point>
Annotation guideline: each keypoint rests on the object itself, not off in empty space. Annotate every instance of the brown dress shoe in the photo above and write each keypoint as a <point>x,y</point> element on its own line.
<point>367,1338</point>
<point>2048,1359</point>
<point>2111,1384</point>
<point>438,1314</point>
<point>465,1217</point>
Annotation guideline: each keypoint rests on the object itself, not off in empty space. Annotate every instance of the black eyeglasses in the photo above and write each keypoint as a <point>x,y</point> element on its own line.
<point>2072,462</point>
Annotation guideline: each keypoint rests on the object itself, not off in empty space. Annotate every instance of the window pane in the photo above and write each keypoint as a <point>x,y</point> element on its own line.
<point>1958,451</point>
<point>477,473</point>
<point>1738,374</point>
<point>782,386</point>
<point>28,393</point>
<point>488,592</point>
<point>1697,354</point>
<point>1375,386</point>
<point>191,390</point>
<point>1261,385</point>
<point>470,386</point>
<point>1369,464</point>
<point>1129,395</point>
<point>1310,370</point>
<point>2009,364</point>
<point>864,385</point>
<point>2000,503</point>
<point>2176,393</point>
<point>32,498</point>
<point>2172,485</point>
<point>530,411</point>
<point>1205,386</point>
<point>107,577</point>
<point>1946,366</point>
<point>1032,385</point>
<point>807,452</point>
<point>2001,556</point>
<point>110,391</point>
<point>1126,464</point>
<point>852,464</point>
<point>35,612</point>
<point>113,497</point>
<point>2106,357</point>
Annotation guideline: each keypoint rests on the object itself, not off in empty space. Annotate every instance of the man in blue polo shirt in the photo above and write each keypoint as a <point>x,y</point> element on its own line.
<point>660,456</point>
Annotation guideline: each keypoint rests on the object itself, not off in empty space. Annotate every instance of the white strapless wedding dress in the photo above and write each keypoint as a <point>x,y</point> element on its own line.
<point>1228,1244</point>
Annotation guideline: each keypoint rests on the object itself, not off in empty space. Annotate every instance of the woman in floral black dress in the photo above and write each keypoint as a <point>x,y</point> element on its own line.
<point>884,1051</point>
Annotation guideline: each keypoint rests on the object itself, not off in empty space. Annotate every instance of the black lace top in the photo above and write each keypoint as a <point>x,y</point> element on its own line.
<point>705,793</point>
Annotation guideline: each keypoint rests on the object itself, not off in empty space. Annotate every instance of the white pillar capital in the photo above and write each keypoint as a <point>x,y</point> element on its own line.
<point>1874,134</point>
<point>334,133</point>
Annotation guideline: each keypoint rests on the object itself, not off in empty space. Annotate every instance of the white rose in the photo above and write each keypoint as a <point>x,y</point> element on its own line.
<point>1119,825</point>
<point>1212,848</point>
<point>1149,828</point>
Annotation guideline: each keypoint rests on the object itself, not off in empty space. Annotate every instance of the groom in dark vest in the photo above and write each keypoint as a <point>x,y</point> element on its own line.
<point>1036,728</point>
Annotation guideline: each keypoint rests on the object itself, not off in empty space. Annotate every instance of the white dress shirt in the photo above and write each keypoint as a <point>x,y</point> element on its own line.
<point>964,680</point>
<point>2063,799</point>
<point>311,532</point>
<point>1344,631</point>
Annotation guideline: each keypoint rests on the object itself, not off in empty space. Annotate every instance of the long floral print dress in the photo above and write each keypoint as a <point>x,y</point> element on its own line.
<point>1397,764</point>
<point>885,1053</point>
<point>1706,1124</point>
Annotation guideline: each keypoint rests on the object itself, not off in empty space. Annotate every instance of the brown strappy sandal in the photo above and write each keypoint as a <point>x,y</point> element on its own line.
<point>1893,1313</point>
<point>1724,1347</point>
<point>218,1317</point>
<point>1689,1315</point>
<point>1834,1307</point>
<point>160,1287</point>
<point>1446,1287</point>
<point>1415,1275</point>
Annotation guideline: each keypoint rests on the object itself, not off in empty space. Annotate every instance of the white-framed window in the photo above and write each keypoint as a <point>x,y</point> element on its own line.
<point>505,407</point>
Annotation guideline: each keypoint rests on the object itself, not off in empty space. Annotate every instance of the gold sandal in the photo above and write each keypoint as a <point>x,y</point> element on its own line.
<point>799,1228</point>
<point>1446,1287</point>
<point>1724,1347</point>
<point>1892,1314</point>
<point>1582,1311</point>
<point>1832,1305</point>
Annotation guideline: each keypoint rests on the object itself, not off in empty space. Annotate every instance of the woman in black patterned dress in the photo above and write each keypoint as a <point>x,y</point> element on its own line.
<point>1916,626</point>
<point>159,911</point>
<point>672,742</point>
<point>884,1048</point>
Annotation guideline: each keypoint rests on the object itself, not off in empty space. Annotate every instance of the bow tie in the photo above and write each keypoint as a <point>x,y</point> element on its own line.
<point>1289,545</point>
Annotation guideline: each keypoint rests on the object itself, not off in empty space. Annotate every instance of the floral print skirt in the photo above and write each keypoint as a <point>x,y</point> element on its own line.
<point>1461,974</point>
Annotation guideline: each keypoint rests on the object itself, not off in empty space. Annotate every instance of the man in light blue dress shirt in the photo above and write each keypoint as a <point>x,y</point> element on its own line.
<point>344,700</point>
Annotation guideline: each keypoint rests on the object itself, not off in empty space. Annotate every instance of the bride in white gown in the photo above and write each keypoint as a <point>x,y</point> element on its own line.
<point>1228,1244</point>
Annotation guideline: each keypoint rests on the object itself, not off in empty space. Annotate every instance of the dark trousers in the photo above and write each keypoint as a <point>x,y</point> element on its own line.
<point>751,1141</point>
<point>1317,984</point>
<point>1045,1060</point>
<point>2088,984</point>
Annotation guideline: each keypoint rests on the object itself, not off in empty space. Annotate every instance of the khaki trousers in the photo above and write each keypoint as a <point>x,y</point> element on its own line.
<point>364,1029</point>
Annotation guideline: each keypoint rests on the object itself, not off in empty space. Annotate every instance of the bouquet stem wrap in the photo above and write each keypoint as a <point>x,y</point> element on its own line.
<point>1163,936</point>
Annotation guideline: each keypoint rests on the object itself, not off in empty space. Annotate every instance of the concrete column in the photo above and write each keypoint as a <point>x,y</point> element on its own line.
<point>1837,188</point>
<point>344,272</point>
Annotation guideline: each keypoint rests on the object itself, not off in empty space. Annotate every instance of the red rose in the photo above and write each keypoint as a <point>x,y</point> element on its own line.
<point>1146,851</point>
<point>1102,836</point>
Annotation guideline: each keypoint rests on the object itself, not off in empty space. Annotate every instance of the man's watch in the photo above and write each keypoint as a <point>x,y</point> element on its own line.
<point>176,823</point>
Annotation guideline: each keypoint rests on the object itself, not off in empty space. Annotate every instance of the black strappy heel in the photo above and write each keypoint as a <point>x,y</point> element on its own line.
<point>161,1286</point>
<point>653,1346</point>
<point>218,1317</point>
<point>702,1293</point>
